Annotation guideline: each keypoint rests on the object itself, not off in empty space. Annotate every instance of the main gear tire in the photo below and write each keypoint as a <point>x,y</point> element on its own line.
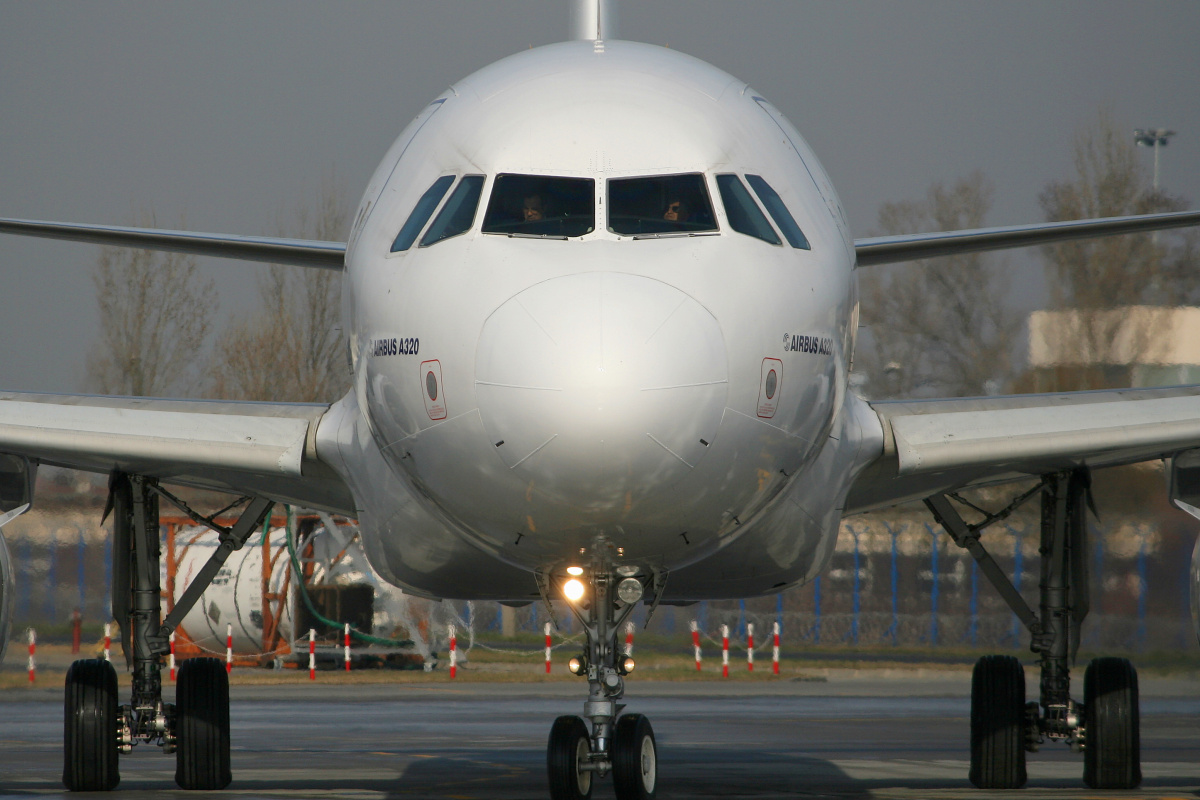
<point>90,727</point>
<point>202,725</point>
<point>1112,736</point>
<point>998,723</point>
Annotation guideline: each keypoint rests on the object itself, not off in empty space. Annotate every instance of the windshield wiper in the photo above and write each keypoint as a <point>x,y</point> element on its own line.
<point>674,234</point>
<point>531,235</point>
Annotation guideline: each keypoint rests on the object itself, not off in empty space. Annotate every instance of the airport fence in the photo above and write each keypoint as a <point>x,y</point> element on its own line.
<point>895,581</point>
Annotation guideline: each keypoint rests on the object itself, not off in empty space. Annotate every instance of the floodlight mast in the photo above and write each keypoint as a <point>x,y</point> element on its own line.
<point>1155,138</point>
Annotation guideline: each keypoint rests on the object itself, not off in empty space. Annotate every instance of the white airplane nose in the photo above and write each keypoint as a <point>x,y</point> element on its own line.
<point>601,388</point>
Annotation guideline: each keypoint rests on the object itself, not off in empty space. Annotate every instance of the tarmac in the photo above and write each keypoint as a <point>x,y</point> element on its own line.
<point>832,733</point>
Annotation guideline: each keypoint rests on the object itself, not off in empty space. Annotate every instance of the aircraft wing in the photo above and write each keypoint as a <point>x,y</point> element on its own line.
<point>891,249</point>
<point>265,449</point>
<point>934,446</point>
<point>273,250</point>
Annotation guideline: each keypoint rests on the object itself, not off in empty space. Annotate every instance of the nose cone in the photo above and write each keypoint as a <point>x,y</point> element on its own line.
<point>601,388</point>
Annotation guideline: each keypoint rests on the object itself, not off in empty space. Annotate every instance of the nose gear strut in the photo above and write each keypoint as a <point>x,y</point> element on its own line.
<point>624,746</point>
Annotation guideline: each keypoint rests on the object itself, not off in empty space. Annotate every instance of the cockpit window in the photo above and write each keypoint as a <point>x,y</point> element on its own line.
<point>458,214</point>
<point>541,207</point>
<point>744,215</point>
<point>664,204</point>
<point>779,212</point>
<point>421,213</point>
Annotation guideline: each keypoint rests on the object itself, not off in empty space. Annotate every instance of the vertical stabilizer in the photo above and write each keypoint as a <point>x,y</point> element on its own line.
<point>593,19</point>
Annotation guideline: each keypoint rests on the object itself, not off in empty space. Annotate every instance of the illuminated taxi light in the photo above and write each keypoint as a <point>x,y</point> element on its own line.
<point>575,665</point>
<point>573,589</point>
<point>574,570</point>
<point>627,664</point>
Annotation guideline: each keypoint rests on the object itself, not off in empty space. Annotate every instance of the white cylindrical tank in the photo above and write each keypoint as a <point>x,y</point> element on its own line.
<point>235,596</point>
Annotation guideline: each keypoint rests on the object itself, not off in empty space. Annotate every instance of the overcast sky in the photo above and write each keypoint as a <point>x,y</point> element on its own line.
<point>225,115</point>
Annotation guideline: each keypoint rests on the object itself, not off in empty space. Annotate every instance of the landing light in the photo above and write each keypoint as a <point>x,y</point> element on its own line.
<point>573,589</point>
<point>629,591</point>
<point>574,570</point>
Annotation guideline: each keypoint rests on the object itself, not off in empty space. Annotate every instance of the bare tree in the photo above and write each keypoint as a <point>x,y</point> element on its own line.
<point>948,330</point>
<point>292,348</point>
<point>154,314</point>
<point>1095,278</point>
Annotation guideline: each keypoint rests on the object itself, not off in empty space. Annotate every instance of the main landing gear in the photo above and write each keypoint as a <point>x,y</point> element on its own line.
<point>196,727</point>
<point>602,597</point>
<point>1003,726</point>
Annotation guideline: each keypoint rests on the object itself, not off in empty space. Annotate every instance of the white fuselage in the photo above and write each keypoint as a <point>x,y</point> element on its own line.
<point>682,395</point>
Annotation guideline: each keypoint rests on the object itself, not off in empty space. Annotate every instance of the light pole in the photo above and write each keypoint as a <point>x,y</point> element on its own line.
<point>1153,137</point>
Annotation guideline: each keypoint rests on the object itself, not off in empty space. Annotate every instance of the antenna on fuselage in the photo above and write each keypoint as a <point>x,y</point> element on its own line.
<point>593,19</point>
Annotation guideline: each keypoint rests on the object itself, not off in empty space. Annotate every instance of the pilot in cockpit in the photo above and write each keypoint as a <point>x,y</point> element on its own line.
<point>677,211</point>
<point>533,210</point>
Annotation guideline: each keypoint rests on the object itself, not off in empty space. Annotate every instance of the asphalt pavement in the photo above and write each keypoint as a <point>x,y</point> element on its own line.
<point>843,734</point>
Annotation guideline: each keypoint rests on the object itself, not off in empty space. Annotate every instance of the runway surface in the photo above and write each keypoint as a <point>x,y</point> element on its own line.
<point>876,737</point>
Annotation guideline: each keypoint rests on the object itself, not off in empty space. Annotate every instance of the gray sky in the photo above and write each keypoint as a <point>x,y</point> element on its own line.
<point>225,115</point>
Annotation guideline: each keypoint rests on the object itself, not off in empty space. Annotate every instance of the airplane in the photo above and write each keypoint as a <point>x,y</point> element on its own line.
<point>600,346</point>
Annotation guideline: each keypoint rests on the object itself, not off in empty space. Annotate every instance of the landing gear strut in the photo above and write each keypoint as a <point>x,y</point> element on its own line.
<point>623,744</point>
<point>1003,726</point>
<point>196,727</point>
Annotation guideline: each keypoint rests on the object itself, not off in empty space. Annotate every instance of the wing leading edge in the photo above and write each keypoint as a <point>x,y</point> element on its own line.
<point>272,250</point>
<point>891,249</point>
<point>937,446</point>
<point>265,449</point>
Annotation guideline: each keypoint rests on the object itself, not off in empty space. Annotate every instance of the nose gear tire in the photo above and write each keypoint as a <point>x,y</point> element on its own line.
<point>566,752</point>
<point>1112,752</point>
<point>202,719</point>
<point>90,722</point>
<point>998,723</point>
<point>634,759</point>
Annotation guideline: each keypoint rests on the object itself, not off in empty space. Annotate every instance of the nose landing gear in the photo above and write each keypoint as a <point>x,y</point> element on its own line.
<point>625,744</point>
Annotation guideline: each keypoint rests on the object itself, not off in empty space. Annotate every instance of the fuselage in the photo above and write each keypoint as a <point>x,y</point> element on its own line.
<point>540,358</point>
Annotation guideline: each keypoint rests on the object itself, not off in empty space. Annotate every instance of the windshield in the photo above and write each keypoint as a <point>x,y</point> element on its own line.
<point>744,216</point>
<point>779,212</point>
<point>421,213</point>
<point>541,207</point>
<point>662,204</point>
<point>458,214</point>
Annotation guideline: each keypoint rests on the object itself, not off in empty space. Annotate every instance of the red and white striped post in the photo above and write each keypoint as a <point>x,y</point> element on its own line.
<point>346,645</point>
<point>724,651</point>
<point>229,648</point>
<point>108,641</point>
<point>775,651</point>
<point>32,660</point>
<point>171,657</point>
<point>453,652</point>
<point>750,646</point>
<point>76,630</point>
<point>547,629</point>
<point>696,643</point>
<point>312,654</point>
<point>629,638</point>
